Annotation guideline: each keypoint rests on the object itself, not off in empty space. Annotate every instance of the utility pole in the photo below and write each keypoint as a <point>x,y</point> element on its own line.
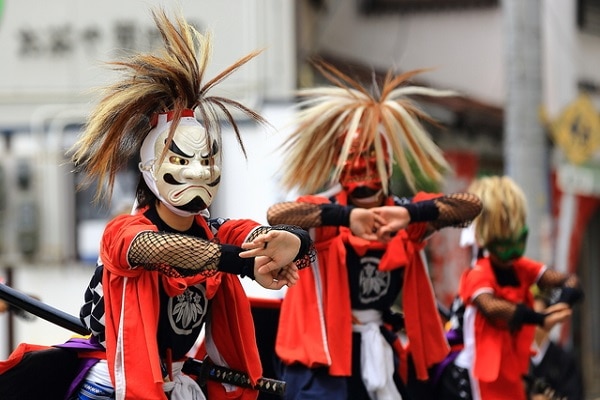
<point>526,153</point>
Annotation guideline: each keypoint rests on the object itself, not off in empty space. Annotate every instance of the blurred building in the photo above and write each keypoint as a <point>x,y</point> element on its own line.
<point>52,55</point>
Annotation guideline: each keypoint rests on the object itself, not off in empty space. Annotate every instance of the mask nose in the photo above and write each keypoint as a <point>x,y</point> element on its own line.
<point>196,171</point>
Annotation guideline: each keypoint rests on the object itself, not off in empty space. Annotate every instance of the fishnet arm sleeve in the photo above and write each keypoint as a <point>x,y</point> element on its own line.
<point>504,314</point>
<point>181,255</point>
<point>497,311</point>
<point>306,254</point>
<point>308,215</point>
<point>552,279</point>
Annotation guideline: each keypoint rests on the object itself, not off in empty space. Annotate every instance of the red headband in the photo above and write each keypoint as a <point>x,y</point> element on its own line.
<point>185,113</point>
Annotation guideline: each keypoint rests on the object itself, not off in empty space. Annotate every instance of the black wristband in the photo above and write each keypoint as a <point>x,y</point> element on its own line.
<point>232,263</point>
<point>422,211</point>
<point>305,242</point>
<point>335,214</point>
<point>570,295</point>
<point>525,315</point>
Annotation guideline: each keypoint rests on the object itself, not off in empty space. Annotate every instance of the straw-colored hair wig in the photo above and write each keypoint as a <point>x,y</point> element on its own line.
<point>330,118</point>
<point>168,80</point>
<point>504,212</point>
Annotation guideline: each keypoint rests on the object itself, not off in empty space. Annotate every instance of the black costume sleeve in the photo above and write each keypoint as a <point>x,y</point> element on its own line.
<point>335,214</point>
<point>570,295</point>
<point>175,254</point>
<point>525,315</point>
<point>568,287</point>
<point>422,211</point>
<point>232,263</point>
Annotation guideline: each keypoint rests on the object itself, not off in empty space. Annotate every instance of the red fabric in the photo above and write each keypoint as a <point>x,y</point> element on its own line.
<point>235,231</point>
<point>131,296</point>
<point>230,311</point>
<point>501,357</point>
<point>17,355</point>
<point>427,342</point>
<point>314,330</point>
<point>325,327</point>
<point>403,359</point>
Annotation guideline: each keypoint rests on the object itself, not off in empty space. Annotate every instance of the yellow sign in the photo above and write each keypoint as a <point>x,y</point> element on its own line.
<point>577,130</point>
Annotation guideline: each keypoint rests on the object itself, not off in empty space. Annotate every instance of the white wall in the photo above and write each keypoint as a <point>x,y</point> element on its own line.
<point>56,54</point>
<point>464,47</point>
<point>59,286</point>
<point>249,187</point>
<point>588,58</point>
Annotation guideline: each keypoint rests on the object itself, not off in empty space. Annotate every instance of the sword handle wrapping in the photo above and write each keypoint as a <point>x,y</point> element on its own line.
<point>205,370</point>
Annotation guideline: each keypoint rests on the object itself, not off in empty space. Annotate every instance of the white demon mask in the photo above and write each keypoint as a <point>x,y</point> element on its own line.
<point>188,178</point>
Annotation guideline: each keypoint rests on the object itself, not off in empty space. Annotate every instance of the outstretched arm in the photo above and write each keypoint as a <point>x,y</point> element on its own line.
<point>186,255</point>
<point>181,255</point>
<point>457,210</point>
<point>505,314</point>
<point>380,223</point>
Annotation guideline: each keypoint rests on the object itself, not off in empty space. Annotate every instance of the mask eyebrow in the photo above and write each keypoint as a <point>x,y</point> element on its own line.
<point>214,150</point>
<point>175,149</point>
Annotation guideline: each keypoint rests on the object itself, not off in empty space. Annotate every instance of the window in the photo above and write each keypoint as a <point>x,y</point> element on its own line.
<point>405,6</point>
<point>588,16</point>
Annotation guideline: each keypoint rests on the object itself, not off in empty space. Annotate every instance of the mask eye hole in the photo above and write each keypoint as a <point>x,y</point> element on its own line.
<point>178,160</point>
<point>205,162</point>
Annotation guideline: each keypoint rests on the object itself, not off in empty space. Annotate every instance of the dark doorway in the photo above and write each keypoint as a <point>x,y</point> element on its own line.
<point>586,318</point>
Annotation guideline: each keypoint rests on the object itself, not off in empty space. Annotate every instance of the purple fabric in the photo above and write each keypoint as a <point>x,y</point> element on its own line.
<point>81,345</point>
<point>454,337</point>
<point>439,369</point>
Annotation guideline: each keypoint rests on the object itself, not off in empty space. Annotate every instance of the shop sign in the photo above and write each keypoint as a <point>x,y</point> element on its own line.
<point>579,179</point>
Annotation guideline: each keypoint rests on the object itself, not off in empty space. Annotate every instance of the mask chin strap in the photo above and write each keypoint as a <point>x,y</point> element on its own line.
<point>205,213</point>
<point>368,201</point>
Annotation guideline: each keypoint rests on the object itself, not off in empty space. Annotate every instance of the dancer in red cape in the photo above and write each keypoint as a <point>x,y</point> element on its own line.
<point>338,336</point>
<point>168,270</point>
<point>499,320</point>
